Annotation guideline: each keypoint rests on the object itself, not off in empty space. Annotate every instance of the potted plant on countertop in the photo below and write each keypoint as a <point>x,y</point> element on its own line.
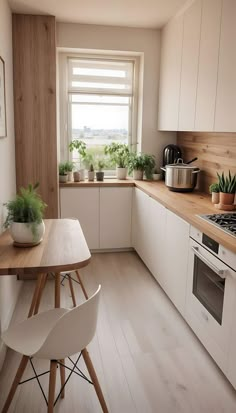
<point>119,154</point>
<point>227,188</point>
<point>100,173</point>
<point>214,191</point>
<point>149,165</point>
<point>156,174</point>
<point>80,147</point>
<point>69,169</point>
<point>91,173</point>
<point>136,165</point>
<point>63,175</point>
<point>25,217</point>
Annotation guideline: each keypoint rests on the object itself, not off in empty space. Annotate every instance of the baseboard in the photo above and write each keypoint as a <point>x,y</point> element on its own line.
<point>112,250</point>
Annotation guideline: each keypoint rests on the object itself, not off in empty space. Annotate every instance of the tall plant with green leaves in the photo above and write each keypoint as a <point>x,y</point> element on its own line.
<point>119,154</point>
<point>80,147</point>
<point>227,184</point>
<point>27,207</point>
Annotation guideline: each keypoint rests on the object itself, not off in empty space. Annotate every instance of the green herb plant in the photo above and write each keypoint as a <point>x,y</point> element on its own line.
<point>63,168</point>
<point>119,154</point>
<point>80,147</point>
<point>227,184</point>
<point>69,165</point>
<point>214,187</point>
<point>27,207</point>
<point>149,165</point>
<point>136,162</point>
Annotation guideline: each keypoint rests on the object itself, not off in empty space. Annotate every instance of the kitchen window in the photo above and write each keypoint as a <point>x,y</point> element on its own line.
<point>101,102</point>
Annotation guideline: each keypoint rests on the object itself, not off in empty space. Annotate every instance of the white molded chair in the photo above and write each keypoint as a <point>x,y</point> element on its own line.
<point>55,335</point>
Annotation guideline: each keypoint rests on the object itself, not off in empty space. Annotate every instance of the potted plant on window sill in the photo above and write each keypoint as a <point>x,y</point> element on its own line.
<point>100,172</point>
<point>91,173</point>
<point>136,165</point>
<point>149,165</point>
<point>227,188</point>
<point>80,147</point>
<point>63,175</point>
<point>119,154</point>
<point>25,216</point>
<point>69,169</point>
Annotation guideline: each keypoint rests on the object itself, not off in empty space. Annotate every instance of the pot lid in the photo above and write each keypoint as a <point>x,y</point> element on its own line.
<point>180,164</point>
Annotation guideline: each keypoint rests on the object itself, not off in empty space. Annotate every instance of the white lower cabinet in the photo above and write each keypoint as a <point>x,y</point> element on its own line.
<point>104,214</point>
<point>115,217</point>
<point>83,204</point>
<point>161,239</point>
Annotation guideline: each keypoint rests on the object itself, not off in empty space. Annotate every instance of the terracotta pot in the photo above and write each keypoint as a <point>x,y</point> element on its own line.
<point>27,233</point>
<point>226,199</point>
<point>215,197</point>
<point>137,174</point>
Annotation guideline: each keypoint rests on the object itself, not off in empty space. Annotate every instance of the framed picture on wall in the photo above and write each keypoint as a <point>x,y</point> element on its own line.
<point>3,118</point>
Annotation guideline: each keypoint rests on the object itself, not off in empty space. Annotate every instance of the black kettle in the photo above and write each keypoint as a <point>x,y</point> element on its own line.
<point>170,155</point>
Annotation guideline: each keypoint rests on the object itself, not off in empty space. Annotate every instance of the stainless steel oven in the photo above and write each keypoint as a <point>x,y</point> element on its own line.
<point>211,293</point>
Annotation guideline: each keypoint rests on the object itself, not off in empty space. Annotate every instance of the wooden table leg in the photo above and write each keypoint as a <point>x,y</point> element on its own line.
<point>36,294</point>
<point>42,285</point>
<point>57,289</point>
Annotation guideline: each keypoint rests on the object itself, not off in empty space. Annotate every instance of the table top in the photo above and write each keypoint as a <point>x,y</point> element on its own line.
<point>63,248</point>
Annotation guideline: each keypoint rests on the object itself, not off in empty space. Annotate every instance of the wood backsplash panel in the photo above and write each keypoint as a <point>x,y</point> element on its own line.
<point>216,152</point>
<point>34,56</point>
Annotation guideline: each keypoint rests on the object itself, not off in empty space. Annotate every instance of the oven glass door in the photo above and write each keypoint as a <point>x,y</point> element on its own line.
<point>209,288</point>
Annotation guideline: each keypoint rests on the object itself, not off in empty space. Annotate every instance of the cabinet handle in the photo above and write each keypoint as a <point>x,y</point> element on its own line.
<point>205,316</point>
<point>221,273</point>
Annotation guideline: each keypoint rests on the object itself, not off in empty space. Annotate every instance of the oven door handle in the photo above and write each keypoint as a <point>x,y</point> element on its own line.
<point>221,273</point>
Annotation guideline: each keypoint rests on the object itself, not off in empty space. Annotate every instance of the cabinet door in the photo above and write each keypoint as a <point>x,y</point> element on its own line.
<point>176,259</point>
<point>141,225</point>
<point>115,217</point>
<point>189,72</point>
<point>170,70</point>
<point>225,119</point>
<point>208,65</point>
<point>82,203</point>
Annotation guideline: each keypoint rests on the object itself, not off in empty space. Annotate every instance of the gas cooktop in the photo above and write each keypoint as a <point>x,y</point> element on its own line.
<point>226,221</point>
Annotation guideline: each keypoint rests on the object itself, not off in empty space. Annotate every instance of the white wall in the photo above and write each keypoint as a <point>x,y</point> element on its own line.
<point>146,41</point>
<point>9,287</point>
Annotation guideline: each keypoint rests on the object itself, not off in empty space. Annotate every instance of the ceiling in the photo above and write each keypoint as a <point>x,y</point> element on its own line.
<point>130,13</point>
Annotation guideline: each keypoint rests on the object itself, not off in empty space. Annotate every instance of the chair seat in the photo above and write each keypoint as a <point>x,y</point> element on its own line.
<point>28,336</point>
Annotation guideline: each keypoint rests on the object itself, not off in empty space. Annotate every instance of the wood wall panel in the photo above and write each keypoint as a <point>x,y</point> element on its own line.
<point>216,152</point>
<point>34,55</point>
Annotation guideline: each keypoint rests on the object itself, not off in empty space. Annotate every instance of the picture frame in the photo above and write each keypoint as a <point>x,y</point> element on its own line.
<point>3,117</point>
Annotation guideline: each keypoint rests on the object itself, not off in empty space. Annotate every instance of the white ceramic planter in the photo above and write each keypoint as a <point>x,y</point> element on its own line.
<point>70,176</point>
<point>82,174</point>
<point>76,176</point>
<point>137,174</point>
<point>23,233</point>
<point>156,177</point>
<point>121,173</point>
<point>63,178</point>
<point>91,175</point>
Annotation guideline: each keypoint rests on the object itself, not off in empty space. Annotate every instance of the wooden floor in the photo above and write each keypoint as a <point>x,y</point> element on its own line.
<point>146,357</point>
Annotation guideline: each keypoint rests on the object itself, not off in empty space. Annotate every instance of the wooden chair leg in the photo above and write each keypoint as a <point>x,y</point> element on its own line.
<point>15,383</point>
<point>52,385</point>
<point>94,378</point>
<point>35,296</point>
<point>72,291</point>
<point>42,285</point>
<point>57,289</point>
<point>81,284</point>
<point>63,377</point>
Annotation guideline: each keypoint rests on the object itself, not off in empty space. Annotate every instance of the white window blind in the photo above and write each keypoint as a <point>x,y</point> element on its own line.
<point>103,77</point>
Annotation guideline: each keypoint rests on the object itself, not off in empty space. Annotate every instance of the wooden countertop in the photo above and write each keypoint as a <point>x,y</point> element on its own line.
<point>186,205</point>
<point>63,248</point>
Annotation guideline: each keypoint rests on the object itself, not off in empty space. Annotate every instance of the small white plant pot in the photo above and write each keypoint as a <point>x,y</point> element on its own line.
<point>76,176</point>
<point>82,174</point>
<point>70,176</point>
<point>137,174</point>
<point>63,178</point>
<point>91,175</point>
<point>121,173</point>
<point>156,177</point>
<point>27,233</point>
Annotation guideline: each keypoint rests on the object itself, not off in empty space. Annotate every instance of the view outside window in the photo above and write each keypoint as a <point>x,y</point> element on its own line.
<point>100,103</point>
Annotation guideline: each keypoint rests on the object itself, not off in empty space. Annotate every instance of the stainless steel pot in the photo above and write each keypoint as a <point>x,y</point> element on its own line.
<point>180,177</point>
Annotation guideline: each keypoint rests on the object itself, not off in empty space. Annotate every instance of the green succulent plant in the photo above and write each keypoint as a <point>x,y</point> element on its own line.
<point>227,184</point>
<point>214,187</point>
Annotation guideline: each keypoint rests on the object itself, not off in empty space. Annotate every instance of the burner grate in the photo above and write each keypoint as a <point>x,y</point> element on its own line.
<point>225,221</point>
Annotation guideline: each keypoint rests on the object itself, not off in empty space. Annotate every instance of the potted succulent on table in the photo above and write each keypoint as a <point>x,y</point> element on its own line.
<point>69,169</point>
<point>25,217</point>
<point>136,165</point>
<point>63,175</point>
<point>227,189</point>
<point>80,147</point>
<point>149,165</point>
<point>119,154</point>
<point>100,173</point>
<point>214,191</point>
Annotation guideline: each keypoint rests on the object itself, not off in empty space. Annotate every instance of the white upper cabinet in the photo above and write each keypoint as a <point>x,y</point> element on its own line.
<point>208,65</point>
<point>170,71</point>
<point>189,72</point>
<point>225,117</point>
